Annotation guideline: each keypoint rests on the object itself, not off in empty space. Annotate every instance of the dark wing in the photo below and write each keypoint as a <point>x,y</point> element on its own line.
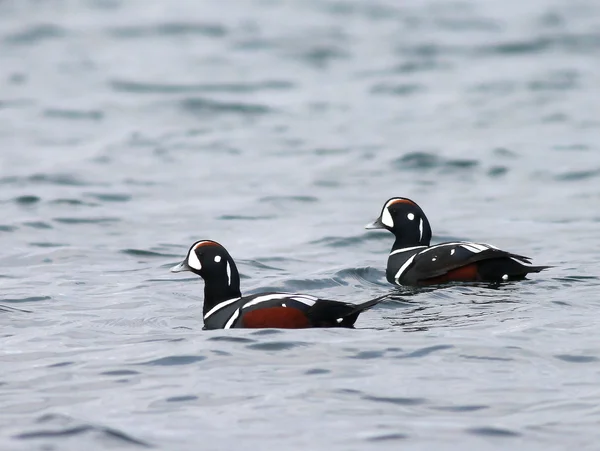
<point>437,260</point>
<point>326,313</point>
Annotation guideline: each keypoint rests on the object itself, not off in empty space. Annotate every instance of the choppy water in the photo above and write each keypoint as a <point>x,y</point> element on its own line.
<point>129,129</point>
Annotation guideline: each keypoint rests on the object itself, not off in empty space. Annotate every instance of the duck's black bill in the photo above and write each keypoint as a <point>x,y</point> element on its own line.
<point>377,224</point>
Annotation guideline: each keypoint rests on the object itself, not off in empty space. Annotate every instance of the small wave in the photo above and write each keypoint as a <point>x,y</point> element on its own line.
<point>365,275</point>
<point>182,398</point>
<point>63,427</point>
<point>75,202</point>
<point>7,308</point>
<point>231,339</point>
<point>386,437</point>
<point>461,408</point>
<point>394,400</point>
<point>397,89</point>
<point>161,88</point>
<point>44,179</point>
<point>368,355</point>
<point>7,228</point>
<point>350,241</point>
<point>37,224</point>
<point>174,360</point>
<point>120,373</point>
<point>321,56</point>
<point>35,34</point>
<point>100,220</point>
<point>26,200</point>
<point>207,106</point>
<point>572,43</point>
<point>61,113</point>
<point>244,217</point>
<point>283,199</point>
<point>425,351</point>
<point>169,29</point>
<point>27,299</point>
<point>110,197</point>
<point>46,244</point>
<point>147,253</point>
<point>427,161</point>
<point>572,176</point>
<point>278,345</point>
<point>493,432</point>
<point>372,11</point>
<point>577,358</point>
<point>497,171</point>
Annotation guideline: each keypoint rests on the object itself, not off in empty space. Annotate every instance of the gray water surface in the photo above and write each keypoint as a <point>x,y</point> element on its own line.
<point>130,129</point>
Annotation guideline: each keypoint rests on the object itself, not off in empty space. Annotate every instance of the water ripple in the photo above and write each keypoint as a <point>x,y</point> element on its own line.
<point>493,432</point>
<point>203,106</point>
<point>161,88</point>
<point>278,345</point>
<point>397,401</point>
<point>61,427</point>
<point>168,29</point>
<point>35,34</point>
<point>175,360</point>
<point>426,160</point>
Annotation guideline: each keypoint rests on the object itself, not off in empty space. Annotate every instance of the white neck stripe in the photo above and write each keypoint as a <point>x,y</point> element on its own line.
<point>220,306</point>
<point>406,249</point>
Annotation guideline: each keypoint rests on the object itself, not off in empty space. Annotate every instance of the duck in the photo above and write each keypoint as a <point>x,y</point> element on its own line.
<point>414,261</point>
<point>225,307</point>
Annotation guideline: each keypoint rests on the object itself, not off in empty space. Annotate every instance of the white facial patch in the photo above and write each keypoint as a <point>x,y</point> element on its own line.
<point>193,261</point>
<point>217,258</point>
<point>410,216</point>
<point>452,251</point>
<point>386,218</point>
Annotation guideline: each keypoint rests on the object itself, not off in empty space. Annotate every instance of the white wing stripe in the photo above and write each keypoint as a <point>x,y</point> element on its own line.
<point>308,300</point>
<point>232,319</point>
<point>220,306</point>
<point>403,267</point>
<point>439,246</point>
<point>521,262</point>
<point>304,300</point>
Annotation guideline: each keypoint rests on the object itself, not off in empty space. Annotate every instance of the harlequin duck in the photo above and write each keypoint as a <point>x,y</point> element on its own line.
<point>413,261</point>
<point>225,308</point>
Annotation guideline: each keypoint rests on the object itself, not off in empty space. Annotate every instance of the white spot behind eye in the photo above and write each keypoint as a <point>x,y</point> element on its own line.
<point>452,251</point>
<point>283,305</point>
<point>434,259</point>
<point>505,277</point>
<point>193,261</point>
<point>217,258</point>
<point>386,218</point>
<point>410,216</point>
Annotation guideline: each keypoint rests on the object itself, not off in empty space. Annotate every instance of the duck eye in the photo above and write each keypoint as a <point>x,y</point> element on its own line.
<point>217,258</point>
<point>410,216</point>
